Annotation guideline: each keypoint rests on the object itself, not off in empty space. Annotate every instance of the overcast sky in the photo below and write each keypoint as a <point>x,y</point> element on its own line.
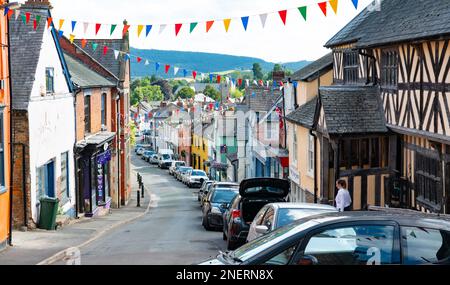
<point>298,40</point>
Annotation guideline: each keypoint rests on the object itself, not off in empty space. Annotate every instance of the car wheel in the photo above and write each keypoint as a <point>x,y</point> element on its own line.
<point>224,236</point>
<point>206,224</point>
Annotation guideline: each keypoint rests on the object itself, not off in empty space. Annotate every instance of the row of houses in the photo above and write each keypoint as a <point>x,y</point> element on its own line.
<point>64,124</point>
<point>374,111</point>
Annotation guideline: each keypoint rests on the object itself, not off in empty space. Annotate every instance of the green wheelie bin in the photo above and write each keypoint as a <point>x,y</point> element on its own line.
<point>47,217</point>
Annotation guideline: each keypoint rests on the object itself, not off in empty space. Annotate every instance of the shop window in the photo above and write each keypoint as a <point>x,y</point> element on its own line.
<point>351,67</point>
<point>50,80</point>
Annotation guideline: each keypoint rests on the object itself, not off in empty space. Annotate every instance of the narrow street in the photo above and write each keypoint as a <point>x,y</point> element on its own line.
<point>171,233</point>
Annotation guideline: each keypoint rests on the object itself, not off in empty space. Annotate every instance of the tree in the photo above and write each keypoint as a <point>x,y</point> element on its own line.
<point>186,92</point>
<point>257,71</point>
<point>212,93</point>
<point>236,93</point>
<point>148,93</point>
<point>165,88</point>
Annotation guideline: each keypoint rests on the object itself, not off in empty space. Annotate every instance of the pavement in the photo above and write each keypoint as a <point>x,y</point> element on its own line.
<point>165,230</point>
<point>45,247</point>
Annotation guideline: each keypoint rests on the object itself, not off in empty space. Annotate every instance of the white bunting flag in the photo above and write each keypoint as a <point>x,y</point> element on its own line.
<point>162,28</point>
<point>86,26</point>
<point>267,84</point>
<point>17,13</point>
<point>247,82</point>
<point>254,82</point>
<point>263,18</point>
<point>116,54</point>
<point>227,80</point>
<point>147,62</point>
<point>175,70</point>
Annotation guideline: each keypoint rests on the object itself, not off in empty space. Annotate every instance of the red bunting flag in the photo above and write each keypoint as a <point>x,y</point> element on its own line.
<point>209,25</point>
<point>125,29</point>
<point>105,50</point>
<point>49,22</point>
<point>10,13</point>
<point>35,24</point>
<point>261,82</point>
<point>167,67</point>
<point>177,28</point>
<point>211,105</point>
<point>323,7</point>
<point>139,59</point>
<point>97,28</point>
<point>283,15</point>
<point>240,82</point>
<point>194,74</point>
<point>219,78</point>
<point>28,15</point>
<point>83,43</point>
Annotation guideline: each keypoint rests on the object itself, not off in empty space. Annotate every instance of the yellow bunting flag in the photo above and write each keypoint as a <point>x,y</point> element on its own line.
<point>72,38</point>
<point>61,23</point>
<point>334,5</point>
<point>139,30</point>
<point>226,23</point>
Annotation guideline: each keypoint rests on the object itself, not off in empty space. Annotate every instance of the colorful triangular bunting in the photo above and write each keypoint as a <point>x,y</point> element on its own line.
<point>323,7</point>
<point>334,5</point>
<point>148,28</point>
<point>263,18</point>
<point>192,26</point>
<point>226,24</point>
<point>355,3</point>
<point>177,28</point>
<point>303,11</point>
<point>97,28</point>
<point>162,28</point>
<point>113,28</point>
<point>139,30</point>
<point>283,15</point>
<point>209,25</point>
<point>245,22</point>
<point>74,23</point>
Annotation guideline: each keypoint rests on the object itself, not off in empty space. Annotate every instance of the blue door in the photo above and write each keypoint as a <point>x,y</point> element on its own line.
<point>51,179</point>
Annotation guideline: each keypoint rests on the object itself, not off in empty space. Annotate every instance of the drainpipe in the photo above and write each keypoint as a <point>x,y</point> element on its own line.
<point>11,141</point>
<point>77,206</point>
<point>118,149</point>
<point>25,200</point>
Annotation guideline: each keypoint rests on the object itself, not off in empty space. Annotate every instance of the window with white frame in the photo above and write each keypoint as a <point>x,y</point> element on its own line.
<point>50,80</point>
<point>294,144</point>
<point>310,154</point>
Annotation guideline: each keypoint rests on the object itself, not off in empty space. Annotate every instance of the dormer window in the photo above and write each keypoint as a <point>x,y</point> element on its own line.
<point>351,67</point>
<point>50,80</point>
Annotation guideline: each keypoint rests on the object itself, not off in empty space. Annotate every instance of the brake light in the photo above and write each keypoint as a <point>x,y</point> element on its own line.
<point>235,214</point>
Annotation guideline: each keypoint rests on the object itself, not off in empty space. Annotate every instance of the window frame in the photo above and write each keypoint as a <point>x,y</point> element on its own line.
<point>350,66</point>
<point>67,157</point>
<point>87,113</point>
<point>104,108</point>
<point>49,80</point>
<point>389,68</point>
<point>311,155</point>
<point>294,144</point>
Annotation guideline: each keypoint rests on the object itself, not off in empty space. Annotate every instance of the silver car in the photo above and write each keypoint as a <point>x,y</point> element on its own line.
<point>276,215</point>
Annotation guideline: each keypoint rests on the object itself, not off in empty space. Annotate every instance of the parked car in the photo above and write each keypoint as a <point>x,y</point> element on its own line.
<point>175,165</point>
<point>277,215</point>
<point>182,171</point>
<point>154,159</point>
<point>202,190</point>
<point>196,178</point>
<point>218,185</point>
<point>254,194</point>
<point>185,176</point>
<point>147,155</point>
<point>137,147</point>
<point>374,237</point>
<point>216,202</point>
<point>140,151</point>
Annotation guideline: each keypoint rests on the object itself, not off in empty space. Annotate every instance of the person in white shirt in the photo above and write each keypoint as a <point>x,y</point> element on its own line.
<point>343,198</point>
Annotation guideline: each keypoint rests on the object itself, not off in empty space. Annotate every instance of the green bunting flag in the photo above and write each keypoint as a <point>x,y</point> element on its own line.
<point>113,27</point>
<point>193,25</point>
<point>303,11</point>
<point>94,46</point>
<point>24,19</point>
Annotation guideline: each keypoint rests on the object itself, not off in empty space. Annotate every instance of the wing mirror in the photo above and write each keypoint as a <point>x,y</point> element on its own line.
<point>262,229</point>
<point>307,260</point>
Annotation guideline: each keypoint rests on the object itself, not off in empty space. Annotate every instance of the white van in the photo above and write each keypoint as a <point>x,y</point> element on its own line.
<point>165,157</point>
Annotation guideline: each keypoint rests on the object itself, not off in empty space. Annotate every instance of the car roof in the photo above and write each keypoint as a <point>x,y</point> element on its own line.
<point>218,184</point>
<point>289,205</point>
<point>402,217</point>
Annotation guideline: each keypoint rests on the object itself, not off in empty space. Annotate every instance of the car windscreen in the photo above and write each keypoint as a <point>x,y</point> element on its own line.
<point>223,196</point>
<point>234,186</point>
<point>287,216</point>
<point>198,173</point>
<point>180,164</point>
<point>184,169</point>
<point>166,156</point>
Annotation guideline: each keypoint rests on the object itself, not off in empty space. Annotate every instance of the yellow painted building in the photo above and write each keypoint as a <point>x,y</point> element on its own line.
<point>304,148</point>
<point>199,149</point>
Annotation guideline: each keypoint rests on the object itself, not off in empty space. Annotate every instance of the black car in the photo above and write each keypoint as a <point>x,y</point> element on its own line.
<point>215,203</point>
<point>203,190</point>
<point>217,184</point>
<point>376,237</point>
<point>254,194</point>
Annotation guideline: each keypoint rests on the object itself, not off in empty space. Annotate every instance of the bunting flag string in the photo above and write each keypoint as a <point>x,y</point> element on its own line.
<point>302,11</point>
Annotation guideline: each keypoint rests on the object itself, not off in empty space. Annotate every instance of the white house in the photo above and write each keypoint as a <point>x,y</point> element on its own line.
<point>43,118</point>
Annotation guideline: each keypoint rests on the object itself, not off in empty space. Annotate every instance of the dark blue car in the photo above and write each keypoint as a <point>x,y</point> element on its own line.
<point>215,205</point>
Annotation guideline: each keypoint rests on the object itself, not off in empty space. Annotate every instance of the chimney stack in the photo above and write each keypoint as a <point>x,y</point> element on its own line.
<point>38,4</point>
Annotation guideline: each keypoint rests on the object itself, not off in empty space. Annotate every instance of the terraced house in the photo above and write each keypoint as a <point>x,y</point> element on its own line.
<point>385,122</point>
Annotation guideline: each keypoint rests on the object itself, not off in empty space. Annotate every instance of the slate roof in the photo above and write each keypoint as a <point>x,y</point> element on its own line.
<point>25,51</point>
<point>84,77</point>
<point>397,21</point>
<point>310,72</point>
<point>261,99</point>
<point>304,115</point>
<point>108,61</point>
<point>352,110</point>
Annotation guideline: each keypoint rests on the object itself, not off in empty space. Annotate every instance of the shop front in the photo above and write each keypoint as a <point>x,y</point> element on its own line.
<point>94,175</point>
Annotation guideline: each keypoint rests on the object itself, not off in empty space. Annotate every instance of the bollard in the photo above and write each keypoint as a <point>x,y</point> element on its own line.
<point>142,190</point>
<point>138,199</point>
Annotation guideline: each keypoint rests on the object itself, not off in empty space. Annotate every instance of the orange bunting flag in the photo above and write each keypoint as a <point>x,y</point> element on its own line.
<point>226,23</point>
<point>177,28</point>
<point>323,7</point>
<point>49,22</point>
<point>125,29</point>
<point>209,25</point>
<point>283,15</point>
<point>61,23</point>
<point>83,43</point>
<point>334,5</point>
<point>139,30</point>
<point>97,28</point>
<point>72,38</point>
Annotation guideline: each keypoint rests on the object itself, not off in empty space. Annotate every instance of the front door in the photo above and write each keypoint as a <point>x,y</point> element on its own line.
<point>51,179</point>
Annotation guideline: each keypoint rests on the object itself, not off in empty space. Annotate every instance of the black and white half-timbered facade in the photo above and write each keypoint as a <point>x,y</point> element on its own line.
<point>396,53</point>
